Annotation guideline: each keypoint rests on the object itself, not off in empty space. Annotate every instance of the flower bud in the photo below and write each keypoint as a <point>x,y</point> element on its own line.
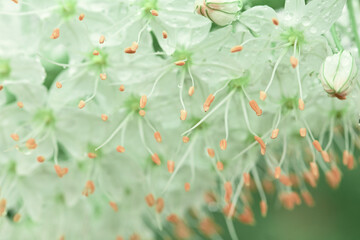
<point>337,74</point>
<point>221,12</point>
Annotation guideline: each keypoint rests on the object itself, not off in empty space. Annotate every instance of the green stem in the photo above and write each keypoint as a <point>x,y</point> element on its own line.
<point>353,24</point>
<point>336,38</point>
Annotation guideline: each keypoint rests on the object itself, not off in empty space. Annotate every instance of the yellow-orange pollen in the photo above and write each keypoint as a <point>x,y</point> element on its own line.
<point>220,166</point>
<point>20,104</point>
<point>81,104</point>
<point>120,149</point>
<point>253,104</point>
<point>61,171</point>
<point>223,144</point>
<point>274,133</point>
<point>301,104</point>
<point>185,139</point>
<point>31,144</point>
<point>211,152</point>
<point>103,76</point>
<point>302,132</point>
<point>154,13</point>
<point>40,159</point>
<point>155,158</point>
<point>143,101</point>
<point>58,85</point>
<point>15,137</point>
<point>191,90</point>
<point>102,39</point>
<point>165,35</point>
<point>237,48</point>
<point>208,102</point>
<point>122,88</point>
<point>183,115</point>
<point>157,137</point>
<point>55,34</point>
<point>81,16</point>
<point>293,61</point>
<point>171,166</point>
<point>187,187</point>
<point>89,188</point>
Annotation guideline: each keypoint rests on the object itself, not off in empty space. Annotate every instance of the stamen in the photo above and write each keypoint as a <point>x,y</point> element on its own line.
<point>1,87</point>
<point>307,198</point>
<point>164,34</point>
<point>81,104</point>
<point>142,113</point>
<point>120,149</point>
<point>263,208</point>
<point>211,152</point>
<point>159,205</point>
<point>114,206</point>
<point>155,158</point>
<point>187,187</point>
<point>253,104</point>
<point>183,115</point>
<point>191,90</point>
<point>2,206</point>
<point>58,85</point>
<point>157,137</point>
<point>228,191</point>
<point>185,139</point>
<point>263,205</point>
<point>274,133</point>
<point>17,217</point>
<point>154,13</point>
<point>293,61</point>
<point>89,188</point>
<point>103,76</point>
<point>96,53</point>
<point>20,104</point>
<point>81,17</point>
<point>31,144</point>
<point>220,165</point>
<point>314,169</point>
<point>180,63</point>
<point>102,39</point>
<point>237,48</point>
<point>303,132</point>
<point>223,144</point>
<point>262,144</point>
<point>208,102</point>
<point>55,34</point>
<point>317,146</point>
<point>129,50</point>
<point>15,137</point>
<point>143,101</point>
<point>171,166</point>
<point>301,104</point>
<point>60,171</point>
<point>134,46</point>
<point>263,95</point>
<point>40,159</point>
<point>104,117</point>
<point>92,155</point>
<point>277,172</point>
<point>246,179</point>
<point>121,88</point>
<point>275,21</point>
<point>325,156</point>
<point>15,1</point>
<point>150,200</point>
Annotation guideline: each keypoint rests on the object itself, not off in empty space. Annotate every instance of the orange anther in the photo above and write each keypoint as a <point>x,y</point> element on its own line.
<point>14,136</point>
<point>274,133</point>
<point>96,53</point>
<point>157,137</point>
<point>275,21</point>
<point>114,206</point>
<point>104,117</point>
<point>40,159</point>
<point>314,169</point>
<point>183,114</point>
<point>103,76</point>
<point>187,187</point>
<point>81,104</point>
<point>223,144</point>
<point>92,155</point>
<point>1,87</point>
<point>317,145</point>
<point>142,112</point>
<point>180,63</point>
<point>129,50</point>
<point>17,217</point>
<point>293,61</point>
<point>253,104</point>
<point>301,104</point>
<point>325,156</point>
<point>159,205</point>
<point>143,101</point>
<point>89,188</point>
<point>308,199</point>
<point>220,166</point>
<point>247,217</point>
<point>20,104</point>
<point>171,166</point>
<point>191,90</point>
<point>2,206</point>
<point>121,88</point>
<point>208,102</point>
<point>263,95</point>
<point>154,12</point>
<point>262,144</point>
<point>237,48</point>
<point>263,208</point>
<point>302,132</point>
<point>60,171</point>
<point>165,35</point>
<point>58,85</point>
<point>155,158</point>
<point>228,191</point>
<point>211,152</point>
<point>81,16</point>
<point>15,1</point>
<point>31,143</point>
<point>246,179</point>
<point>55,34</point>
<point>350,163</point>
<point>173,218</point>
<point>134,46</point>
<point>185,139</point>
<point>102,39</point>
<point>150,200</point>
<point>346,157</point>
<point>119,238</point>
<point>120,149</point>
<point>277,172</point>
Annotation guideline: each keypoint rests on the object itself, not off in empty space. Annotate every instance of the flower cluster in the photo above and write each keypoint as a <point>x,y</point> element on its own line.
<point>112,112</point>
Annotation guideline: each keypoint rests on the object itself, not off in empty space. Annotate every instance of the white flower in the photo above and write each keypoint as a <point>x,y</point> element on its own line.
<point>221,12</point>
<point>338,73</point>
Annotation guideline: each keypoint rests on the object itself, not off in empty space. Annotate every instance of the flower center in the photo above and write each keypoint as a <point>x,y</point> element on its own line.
<point>147,6</point>
<point>99,60</point>
<point>292,35</point>
<point>5,68</point>
<point>46,117</point>
<point>132,104</point>
<point>68,8</point>
<point>240,82</point>
<point>182,55</point>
